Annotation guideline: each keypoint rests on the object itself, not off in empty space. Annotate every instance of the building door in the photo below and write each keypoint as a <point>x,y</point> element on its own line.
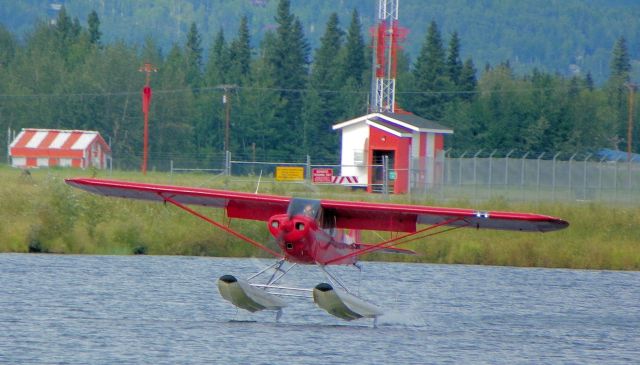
<point>378,172</point>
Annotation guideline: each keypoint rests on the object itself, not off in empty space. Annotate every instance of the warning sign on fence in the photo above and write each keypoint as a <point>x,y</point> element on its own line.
<point>289,173</point>
<point>321,176</point>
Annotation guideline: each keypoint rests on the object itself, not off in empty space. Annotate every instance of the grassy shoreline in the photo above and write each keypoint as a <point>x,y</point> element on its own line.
<point>39,213</point>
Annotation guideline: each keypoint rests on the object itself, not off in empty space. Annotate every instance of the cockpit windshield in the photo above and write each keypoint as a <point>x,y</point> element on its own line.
<point>309,207</point>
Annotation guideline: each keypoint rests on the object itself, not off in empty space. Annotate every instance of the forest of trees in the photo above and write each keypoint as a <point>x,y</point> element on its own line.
<point>282,103</point>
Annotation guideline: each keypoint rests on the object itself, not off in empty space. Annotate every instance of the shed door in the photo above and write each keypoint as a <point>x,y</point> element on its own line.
<point>378,170</point>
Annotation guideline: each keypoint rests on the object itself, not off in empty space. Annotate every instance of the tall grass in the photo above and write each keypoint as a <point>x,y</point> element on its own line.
<point>40,213</point>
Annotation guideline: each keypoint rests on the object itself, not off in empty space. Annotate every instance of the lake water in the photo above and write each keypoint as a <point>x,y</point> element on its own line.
<point>167,310</point>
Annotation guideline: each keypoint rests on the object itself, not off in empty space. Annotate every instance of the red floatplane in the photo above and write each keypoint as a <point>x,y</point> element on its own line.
<point>311,231</point>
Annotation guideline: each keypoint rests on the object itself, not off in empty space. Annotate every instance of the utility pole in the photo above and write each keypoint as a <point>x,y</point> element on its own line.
<point>147,68</point>
<point>632,91</point>
<point>226,100</point>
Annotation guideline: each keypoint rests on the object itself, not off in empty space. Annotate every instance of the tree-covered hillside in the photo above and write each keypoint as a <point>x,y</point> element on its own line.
<point>282,94</point>
<point>563,36</point>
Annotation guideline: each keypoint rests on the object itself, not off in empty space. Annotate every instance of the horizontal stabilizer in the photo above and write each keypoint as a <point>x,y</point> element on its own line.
<point>388,249</point>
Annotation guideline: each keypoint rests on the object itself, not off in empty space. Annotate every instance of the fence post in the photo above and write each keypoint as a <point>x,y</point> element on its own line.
<point>538,178</point>
<point>600,177</point>
<point>506,168</point>
<point>460,168</point>
<point>227,163</point>
<point>475,176</point>
<point>615,181</point>
<point>171,171</point>
<point>385,178</point>
<point>491,173</point>
<point>445,167</point>
<point>409,173</point>
<point>308,170</point>
<point>522,173</point>
<point>570,170</point>
<point>553,179</point>
<point>584,178</point>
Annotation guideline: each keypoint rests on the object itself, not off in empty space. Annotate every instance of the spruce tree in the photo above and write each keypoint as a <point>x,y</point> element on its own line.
<point>240,54</point>
<point>354,64</point>
<point>468,81</point>
<point>219,63</point>
<point>454,63</point>
<point>288,61</point>
<point>620,70</point>
<point>620,62</point>
<point>322,105</point>
<point>94,28</point>
<point>430,77</point>
<point>193,57</point>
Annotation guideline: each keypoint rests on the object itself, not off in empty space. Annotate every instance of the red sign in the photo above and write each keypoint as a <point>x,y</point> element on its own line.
<point>321,176</point>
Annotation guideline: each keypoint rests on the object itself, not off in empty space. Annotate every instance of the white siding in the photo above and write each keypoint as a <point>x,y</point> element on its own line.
<point>18,161</point>
<point>65,162</point>
<point>354,138</point>
<point>42,162</point>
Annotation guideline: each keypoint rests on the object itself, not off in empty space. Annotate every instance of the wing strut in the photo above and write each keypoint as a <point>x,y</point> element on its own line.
<point>224,228</point>
<point>394,241</point>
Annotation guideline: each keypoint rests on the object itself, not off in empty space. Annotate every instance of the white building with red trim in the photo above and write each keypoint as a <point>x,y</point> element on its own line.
<point>53,147</point>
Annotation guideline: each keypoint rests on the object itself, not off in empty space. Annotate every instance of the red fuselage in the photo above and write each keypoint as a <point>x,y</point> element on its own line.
<point>304,242</point>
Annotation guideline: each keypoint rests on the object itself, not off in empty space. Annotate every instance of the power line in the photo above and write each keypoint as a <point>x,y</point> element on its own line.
<point>285,90</point>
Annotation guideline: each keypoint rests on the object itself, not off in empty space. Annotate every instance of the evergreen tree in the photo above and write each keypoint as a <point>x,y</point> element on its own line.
<point>322,105</point>
<point>8,47</point>
<point>620,62</point>
<point>240,54</point>
<point>94,28</point>
<point>354,64</point>
<point>288,61</point>
<point>193,57</point>
<point>454,63</point>
<point>468,82</point>
<point>588,81</point>
<point>616,87</point>
<point>325,62</point>
<point>430,77</point>
<point>219,63</point>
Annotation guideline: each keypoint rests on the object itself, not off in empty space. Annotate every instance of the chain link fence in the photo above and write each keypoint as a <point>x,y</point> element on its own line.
<point>473,176</point>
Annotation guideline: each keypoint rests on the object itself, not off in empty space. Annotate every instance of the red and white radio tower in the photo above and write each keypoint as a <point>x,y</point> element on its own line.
<point>386,36</point>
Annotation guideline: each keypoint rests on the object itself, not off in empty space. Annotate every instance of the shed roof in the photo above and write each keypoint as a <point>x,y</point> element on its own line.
<point>33,138</point>
<point>408,121</point>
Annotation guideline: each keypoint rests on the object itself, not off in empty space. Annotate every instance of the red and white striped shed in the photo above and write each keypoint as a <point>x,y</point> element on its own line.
<point>54,147</point>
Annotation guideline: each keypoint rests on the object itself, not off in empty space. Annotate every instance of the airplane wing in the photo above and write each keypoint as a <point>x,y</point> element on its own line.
<point>405,218</point>
<point>347,214</point>
<point>238,205</point>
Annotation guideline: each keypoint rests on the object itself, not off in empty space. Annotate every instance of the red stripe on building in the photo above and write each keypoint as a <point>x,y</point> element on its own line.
<point>26,137</point>
<point>48,139</point>
<point>73,138</point>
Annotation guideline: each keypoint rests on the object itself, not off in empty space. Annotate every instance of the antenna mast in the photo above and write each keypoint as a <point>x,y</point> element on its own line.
<point>386,36</point>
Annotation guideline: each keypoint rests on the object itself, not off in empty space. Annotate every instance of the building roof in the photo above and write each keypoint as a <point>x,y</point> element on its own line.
<point>392,128</point>
<point>616,155</point>
<point>32,138</point>
<point>409,121</point>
